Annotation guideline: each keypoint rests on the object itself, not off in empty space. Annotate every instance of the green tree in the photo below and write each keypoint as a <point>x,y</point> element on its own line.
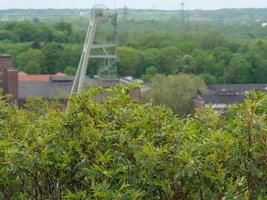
<point>54,61</point>
<point>42,33</point>
<point>177,92</point>
<point>186,64</point>
<point>64,27</point>
<point>22,30</point>
<point>222,54</point>
<point>7,35</point>
<point>204,60</point>
<point>167,60</point>
<point>32,68</point>
<point>36,20</point>
<point>60,37</point>
<point>187,46</point>
<point>27,59</point>
<point>149,73</point>
<point>150,57</point>
<point>130,61</point>
<point>258,64</point>
<point>155,40</point>
<point>70,71</point>
<point>239,71</point>
<point>72,54</point>
<point>208,78</point>
<point>213,40</point>
<point>260,73</point>
<point>36,45</point>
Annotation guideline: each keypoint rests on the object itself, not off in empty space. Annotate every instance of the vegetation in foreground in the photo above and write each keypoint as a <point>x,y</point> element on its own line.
<point>125,150</point>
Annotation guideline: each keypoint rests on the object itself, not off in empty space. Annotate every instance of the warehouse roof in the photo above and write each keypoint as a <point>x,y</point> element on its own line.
<point>229,93</point>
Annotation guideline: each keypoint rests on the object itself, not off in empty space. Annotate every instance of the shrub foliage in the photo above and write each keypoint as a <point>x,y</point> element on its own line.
<point>124,150</point>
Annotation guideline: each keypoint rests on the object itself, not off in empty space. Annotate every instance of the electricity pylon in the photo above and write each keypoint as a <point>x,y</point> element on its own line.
<point>125,13</point>
<point>182,11</point>
<point>99,12</point>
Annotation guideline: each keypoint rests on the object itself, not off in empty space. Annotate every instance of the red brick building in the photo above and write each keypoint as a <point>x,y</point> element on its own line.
<point>22,85</point>
<point>8,77</point>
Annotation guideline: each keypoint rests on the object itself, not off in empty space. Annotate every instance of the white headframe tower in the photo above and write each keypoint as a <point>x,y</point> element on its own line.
<point>108,70</point>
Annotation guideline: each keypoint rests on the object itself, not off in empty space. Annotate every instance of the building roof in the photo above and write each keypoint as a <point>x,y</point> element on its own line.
<point>58,86</point>
<point>22,76</point>
<point>43,89</point>
<point>229,93</point>
<point>5,56</point>
<point>47,89</point>
<point>56,78</point>
<point>237,87</point>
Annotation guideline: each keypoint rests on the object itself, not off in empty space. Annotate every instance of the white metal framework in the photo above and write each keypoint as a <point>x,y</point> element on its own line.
<point>98,12</point>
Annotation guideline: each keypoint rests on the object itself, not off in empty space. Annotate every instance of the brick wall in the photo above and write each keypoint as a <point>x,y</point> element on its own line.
<point>135,94</point>
<point>198,102</point>
<point>12,84</point>
<point>5,62</point>
<point>8,77</point>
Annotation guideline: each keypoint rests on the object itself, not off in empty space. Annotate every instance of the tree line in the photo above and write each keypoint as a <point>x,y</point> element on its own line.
<point>146,48</point>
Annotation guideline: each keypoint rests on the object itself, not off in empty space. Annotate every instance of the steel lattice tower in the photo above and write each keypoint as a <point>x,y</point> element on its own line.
<point>125,13</point>
<point>182,10</point>
<point>108,71</point>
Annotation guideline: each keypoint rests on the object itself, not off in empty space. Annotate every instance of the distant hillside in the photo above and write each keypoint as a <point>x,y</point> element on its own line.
<point>237,16</point>
<point>230,15</point>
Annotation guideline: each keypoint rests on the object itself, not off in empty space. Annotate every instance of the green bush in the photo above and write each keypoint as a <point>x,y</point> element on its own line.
<point>176,92</point>
<point>125,150</point>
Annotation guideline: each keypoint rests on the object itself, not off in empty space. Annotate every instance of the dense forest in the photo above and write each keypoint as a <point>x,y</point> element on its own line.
<point>220,51</point>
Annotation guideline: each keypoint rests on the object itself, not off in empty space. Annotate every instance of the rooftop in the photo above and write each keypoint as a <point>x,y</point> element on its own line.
<point>5,56</point>
<point>229,93</point>
<point>57,85</point>
<point>22,76</point>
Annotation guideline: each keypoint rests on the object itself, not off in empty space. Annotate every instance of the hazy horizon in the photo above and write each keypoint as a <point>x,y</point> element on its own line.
<point>134,4</point>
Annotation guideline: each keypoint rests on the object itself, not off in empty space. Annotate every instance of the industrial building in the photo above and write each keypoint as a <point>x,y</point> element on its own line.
<point>219,96</point>
<point>21,85</point>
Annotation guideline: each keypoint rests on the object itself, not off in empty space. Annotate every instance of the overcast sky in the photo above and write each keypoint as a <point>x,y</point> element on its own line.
<point>159,4</point>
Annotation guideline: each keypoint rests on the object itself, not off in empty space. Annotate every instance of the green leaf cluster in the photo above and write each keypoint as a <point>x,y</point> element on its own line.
<point>121,149</point>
